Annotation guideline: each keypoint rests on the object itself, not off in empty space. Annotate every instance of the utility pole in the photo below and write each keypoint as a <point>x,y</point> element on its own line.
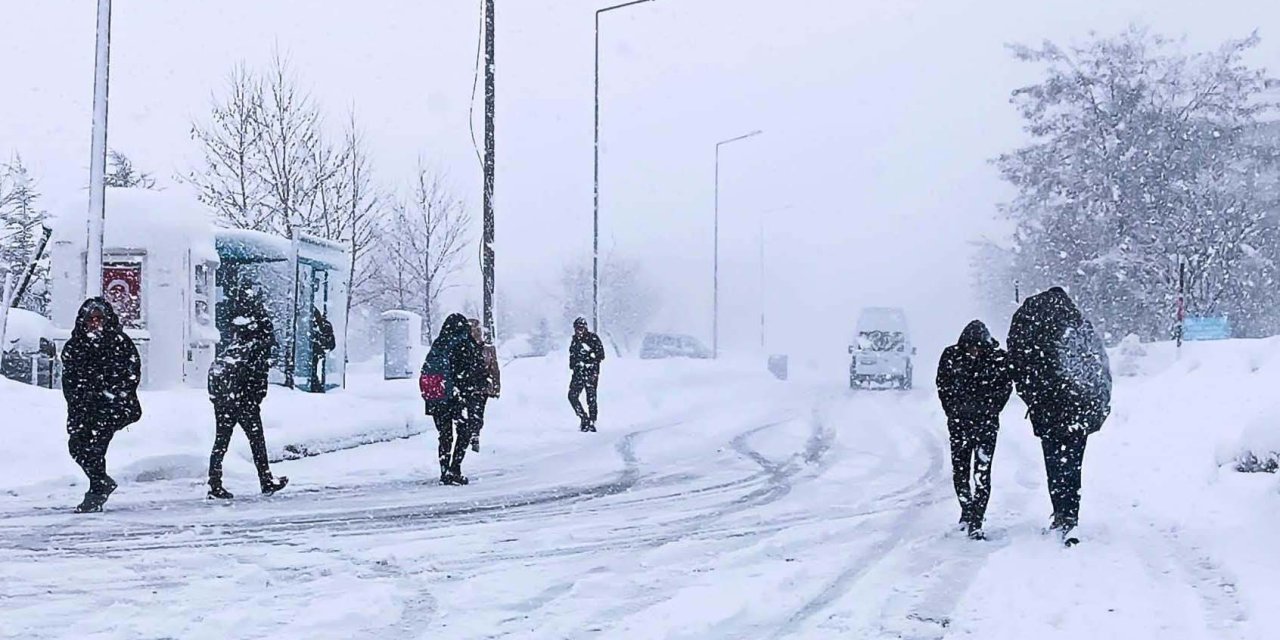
<point>595,216</point>
<point>486,256</point>
<point>98,155</point>
<point>715,287</point>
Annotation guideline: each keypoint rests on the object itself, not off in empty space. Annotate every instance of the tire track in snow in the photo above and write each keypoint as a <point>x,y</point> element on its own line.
<point>910,501</point>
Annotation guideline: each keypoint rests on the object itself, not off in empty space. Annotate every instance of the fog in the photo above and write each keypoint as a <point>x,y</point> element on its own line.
<point>871,179</point>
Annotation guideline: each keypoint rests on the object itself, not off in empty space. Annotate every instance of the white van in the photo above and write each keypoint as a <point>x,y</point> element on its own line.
<point>881,351</point>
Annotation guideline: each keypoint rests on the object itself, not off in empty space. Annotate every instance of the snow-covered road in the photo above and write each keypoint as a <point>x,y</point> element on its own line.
<point>811,513</point>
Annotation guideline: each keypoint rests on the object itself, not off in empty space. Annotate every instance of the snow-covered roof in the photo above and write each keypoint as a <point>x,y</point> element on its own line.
<point>23,330</point>
<point>400,314</point>
<point>141,219</point>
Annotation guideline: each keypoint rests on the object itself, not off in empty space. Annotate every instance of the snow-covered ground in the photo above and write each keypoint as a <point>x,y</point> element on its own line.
<point>715,502</point>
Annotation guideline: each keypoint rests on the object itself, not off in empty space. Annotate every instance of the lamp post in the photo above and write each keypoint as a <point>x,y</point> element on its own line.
<point>98,155</point>
<point>595,217</point>
<point>715,288</point>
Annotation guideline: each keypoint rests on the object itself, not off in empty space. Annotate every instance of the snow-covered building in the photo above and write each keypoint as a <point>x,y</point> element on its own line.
<point>167,270</point>
<point>158,263</point>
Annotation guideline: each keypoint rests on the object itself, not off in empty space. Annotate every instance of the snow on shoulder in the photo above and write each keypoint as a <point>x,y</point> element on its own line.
<point>142,219</point>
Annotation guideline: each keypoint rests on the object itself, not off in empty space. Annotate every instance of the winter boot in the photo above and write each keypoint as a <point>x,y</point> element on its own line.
<point>271,485</point>
<point>975,531</point>
<point>1069,538</point>
<point>217,492</point>
<point>591,426</point>
<point>586,425</point>
<point>92,503</point>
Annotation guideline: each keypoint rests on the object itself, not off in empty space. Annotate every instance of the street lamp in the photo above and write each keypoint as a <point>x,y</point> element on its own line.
<point>98,154</point>
<point>715,289</point>
<point>595,216</point>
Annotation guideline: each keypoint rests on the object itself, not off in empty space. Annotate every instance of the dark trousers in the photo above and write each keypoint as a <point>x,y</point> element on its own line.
<point>317,373</point>
<point>249,416</point>
<point>88,447</point>
<point>584,381</point>
<point>476,405</point>
<point>1063,459</point>
<point>973,446</point>
<point>454,430</point>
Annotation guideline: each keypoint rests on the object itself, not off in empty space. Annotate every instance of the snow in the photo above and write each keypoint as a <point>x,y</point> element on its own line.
<point>141,219</point>
<point>23,330</point>
<point>716,502</point>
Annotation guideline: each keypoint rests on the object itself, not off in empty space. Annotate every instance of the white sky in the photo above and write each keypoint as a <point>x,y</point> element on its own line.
<point>879,118</point>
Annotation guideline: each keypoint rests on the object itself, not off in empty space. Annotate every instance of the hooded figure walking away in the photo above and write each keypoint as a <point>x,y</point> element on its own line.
<point>1063,374</point>
<point>586,352</point>
<point>492,387</point>
<point>974,384</point>
<point>237,387</point>
<point>100,375</point>
<point>452,374</point>
<point>322,342</point>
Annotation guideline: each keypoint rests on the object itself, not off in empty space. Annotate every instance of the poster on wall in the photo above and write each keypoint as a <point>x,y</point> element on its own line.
<point>122,287</point>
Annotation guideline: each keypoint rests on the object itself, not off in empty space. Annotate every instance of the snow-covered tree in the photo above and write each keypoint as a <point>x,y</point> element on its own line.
<point>21,229</point>
<point>1144,157</point>
<point>121,173</point>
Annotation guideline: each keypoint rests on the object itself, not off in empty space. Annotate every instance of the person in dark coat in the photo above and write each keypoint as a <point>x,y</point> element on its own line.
<point>974,384</point>
<point>492,387</point>
<point>100,375</point>
<point>237,387</point>
<point>322,342</point>
<point>1062,373</point>
<point>586,352</point>
<point>466,366</point>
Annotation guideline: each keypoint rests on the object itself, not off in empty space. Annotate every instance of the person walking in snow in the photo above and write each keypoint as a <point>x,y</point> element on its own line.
<point>586,352</point>
<point>452,374</point>
<point>237,387</point>
<point>974,384</point>
<point>100,375</point>
<point>1062,372</point>
<point>492,387</point>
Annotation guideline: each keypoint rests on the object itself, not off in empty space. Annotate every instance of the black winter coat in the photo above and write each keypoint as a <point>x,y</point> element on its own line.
<point>974,387</point>
<point>1060,365</point>
<point>100,372</point>
<point>239,373</point>
<point>466,359</point>
<point>586,352</point>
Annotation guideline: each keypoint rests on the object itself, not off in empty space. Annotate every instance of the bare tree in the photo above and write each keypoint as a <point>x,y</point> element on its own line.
<point>628,301</point>
<point>122,174</point>
<point>422,247</point>
<point>289,148</point>
<point>229,179</point>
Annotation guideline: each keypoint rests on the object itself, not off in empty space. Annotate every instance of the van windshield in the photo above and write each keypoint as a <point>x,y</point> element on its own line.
<point>881,340</point>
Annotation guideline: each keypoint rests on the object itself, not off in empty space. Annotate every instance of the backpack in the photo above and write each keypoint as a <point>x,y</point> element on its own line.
<point>435,383</point>
<point>1086,371</point>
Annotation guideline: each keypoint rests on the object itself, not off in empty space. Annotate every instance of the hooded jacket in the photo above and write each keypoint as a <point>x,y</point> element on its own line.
<point>974,387</point>
<point>100,372</point>
<point>464,356</point>
<point>1060,365</point>
<point>239,373</point>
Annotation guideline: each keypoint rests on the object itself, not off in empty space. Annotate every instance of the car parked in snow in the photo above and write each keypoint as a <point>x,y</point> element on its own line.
<point>881,353</point>
<point>672,345</point>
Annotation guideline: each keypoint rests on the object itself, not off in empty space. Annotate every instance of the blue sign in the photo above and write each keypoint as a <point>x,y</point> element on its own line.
<point>1218,328</point>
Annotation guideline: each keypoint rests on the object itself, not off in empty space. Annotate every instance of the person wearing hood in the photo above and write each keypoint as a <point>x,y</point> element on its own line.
<point>492,388</point>
<point>237,387</point>
<point>1063,374</point>
<point>974,384</point>
<point>586,352</point>
<point>456,356</point>
<point>322,342</point>
<point>100,375</point>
